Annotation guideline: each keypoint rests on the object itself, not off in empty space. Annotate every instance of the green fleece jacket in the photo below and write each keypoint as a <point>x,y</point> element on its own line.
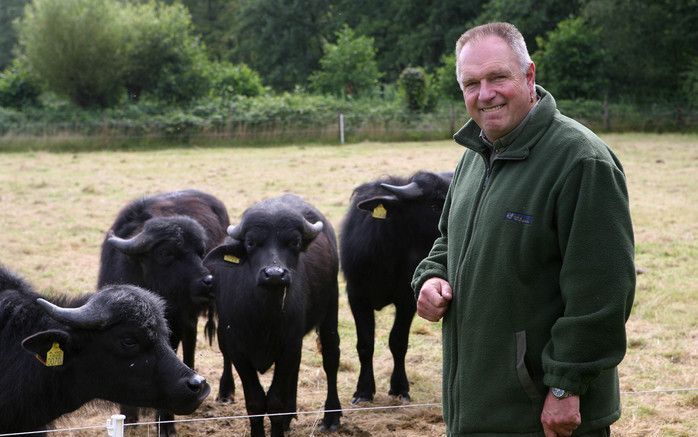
<point>537,245</point>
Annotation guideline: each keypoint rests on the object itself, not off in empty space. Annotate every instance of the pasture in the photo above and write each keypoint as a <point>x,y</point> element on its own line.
<point>56,207</point>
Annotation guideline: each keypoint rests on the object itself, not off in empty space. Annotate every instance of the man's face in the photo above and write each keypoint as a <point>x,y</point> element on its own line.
<point>497,94</point>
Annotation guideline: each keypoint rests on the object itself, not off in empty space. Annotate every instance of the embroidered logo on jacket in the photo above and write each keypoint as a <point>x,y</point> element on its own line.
<point>517,217</point>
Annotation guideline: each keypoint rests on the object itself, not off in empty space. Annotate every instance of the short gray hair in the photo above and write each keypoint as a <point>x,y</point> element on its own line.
<point>506,31</point>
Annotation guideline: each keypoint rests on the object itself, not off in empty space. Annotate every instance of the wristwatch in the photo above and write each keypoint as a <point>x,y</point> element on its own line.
<point>560,393</point>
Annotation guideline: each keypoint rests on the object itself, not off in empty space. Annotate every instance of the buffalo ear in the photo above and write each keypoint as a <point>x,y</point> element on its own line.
<point>379,206</point>
<point>43,346</point>
<point>231,252</point>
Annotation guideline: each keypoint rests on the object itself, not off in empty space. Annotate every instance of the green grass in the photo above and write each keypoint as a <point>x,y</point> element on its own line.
<point>56,207</point>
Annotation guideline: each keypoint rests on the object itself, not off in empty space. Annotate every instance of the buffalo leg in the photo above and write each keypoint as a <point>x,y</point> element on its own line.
<point>255,399</point>
<point>281,395</point>
<point>168,429</point>
<point>329,339</point>
<point>130,412</point>
<point>226,388</point>
<point>399,339</point>
<point>165,429</point>
<point>364,320</point>
<point>188,342</point>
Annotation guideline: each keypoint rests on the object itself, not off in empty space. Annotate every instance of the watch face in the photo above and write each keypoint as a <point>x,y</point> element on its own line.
<point>557,392</point>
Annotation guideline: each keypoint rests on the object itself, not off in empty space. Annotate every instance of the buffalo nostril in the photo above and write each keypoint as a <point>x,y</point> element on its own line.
<point>196,383</point>
<point>207,280</point>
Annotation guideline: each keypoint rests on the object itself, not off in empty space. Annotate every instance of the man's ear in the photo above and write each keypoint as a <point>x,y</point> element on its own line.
<point>379,206</point>
<point>50,347</point>
<point>232,251</point>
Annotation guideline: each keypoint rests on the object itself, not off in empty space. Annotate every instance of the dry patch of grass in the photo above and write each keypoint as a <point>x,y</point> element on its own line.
<point>55,209</point>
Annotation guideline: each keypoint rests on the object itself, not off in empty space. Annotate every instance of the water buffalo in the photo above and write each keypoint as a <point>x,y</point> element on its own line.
<point>111,345</point>
<point>275,279</point>
<point>390,226</point>
<point>158,243</point>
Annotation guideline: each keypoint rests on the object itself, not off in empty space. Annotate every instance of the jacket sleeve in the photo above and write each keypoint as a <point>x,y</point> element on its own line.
<point>597,277</point>
<point>435,264</point>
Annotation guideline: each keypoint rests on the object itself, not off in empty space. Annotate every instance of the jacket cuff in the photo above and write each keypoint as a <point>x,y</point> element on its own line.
<point>423,276</point>
<point>572,385</point>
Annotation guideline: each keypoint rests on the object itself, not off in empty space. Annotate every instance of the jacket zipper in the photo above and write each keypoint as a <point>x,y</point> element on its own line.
<point>459,270</point>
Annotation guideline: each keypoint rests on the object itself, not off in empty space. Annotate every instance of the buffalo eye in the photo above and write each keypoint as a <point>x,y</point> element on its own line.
<point>164,255</point>
<point>250,243</point>
<point>295,243</point>
<point>129,343</point>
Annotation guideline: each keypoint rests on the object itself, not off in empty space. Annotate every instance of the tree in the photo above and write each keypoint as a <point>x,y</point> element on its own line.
<point>9,12</point>
<point>652,52</point>
<point>414,83</point>
<point>76,48</point>
<point>690,83</point>
<point>281,39</point>
<point>348,68</point>
<point>533,18</point>
<point>408,32</point>
<point>163,57</point>
<point>445,83</point>
<point>213,21</point>
<point>570,61</point>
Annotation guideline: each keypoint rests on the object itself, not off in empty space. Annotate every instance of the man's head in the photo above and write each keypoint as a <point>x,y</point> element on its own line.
<point>497,77</point>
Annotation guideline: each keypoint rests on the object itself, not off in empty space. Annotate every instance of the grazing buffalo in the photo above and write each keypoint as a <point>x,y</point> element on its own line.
<point>158,243</point>
<point>390,226</point>
<point>275,279</point>
<point>112,345</point>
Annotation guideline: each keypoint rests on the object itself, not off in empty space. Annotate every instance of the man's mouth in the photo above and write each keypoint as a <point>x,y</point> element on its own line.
<point>492,108</point>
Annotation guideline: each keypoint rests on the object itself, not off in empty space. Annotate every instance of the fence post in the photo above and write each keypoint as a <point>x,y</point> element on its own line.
<point>341,128</point>
<point>115,425</point>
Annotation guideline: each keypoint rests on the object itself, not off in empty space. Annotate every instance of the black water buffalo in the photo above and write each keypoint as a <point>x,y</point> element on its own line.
<point>275,279</point>
<point>158,243</point>
<point>112,345</point>
<point>390,226</point>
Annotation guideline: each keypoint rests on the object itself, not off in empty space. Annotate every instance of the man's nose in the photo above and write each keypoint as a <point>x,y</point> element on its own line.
<point>487,91</point>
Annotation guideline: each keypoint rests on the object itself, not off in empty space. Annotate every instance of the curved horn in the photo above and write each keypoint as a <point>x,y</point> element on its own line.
<point>86,316</point>
<point>131,246</point>
<point>234,231</point>
<point>409,191</point>
<point>311,230</point>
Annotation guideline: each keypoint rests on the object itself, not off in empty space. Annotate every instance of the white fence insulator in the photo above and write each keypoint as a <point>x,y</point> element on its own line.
<point>115,425</point>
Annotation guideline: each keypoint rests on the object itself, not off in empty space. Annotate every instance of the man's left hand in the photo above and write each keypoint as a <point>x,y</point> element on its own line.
<point>560,417</point>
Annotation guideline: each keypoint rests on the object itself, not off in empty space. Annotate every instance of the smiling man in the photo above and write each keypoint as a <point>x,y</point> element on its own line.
<point>533,270</point>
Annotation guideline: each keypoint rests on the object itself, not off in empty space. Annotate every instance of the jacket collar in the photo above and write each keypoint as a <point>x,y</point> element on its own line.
<point>526,135</point>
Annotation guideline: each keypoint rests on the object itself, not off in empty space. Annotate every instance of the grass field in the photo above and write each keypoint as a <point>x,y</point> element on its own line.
<point>56,207</point>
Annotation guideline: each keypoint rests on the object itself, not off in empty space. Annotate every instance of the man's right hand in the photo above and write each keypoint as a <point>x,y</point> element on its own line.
<point>434,299</point>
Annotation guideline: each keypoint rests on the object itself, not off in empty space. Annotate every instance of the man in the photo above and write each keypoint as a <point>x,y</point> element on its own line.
<point>533,273</point>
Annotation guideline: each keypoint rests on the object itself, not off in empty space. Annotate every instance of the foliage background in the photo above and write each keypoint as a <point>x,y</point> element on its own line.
<point>167,59</point>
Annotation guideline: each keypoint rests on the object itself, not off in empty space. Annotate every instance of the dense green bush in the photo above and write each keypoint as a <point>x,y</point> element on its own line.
<point>17,88</point>
<point>96,51</point>
<point>228,80</point>
<point>76,48</point>
<point>163,58</point>
<point>347,68</point>
<point>570,61</point>
<point>414,83</point>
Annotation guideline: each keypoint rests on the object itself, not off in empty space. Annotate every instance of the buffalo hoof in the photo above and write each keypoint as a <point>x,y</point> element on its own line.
<point>225,400</point>
<point>330,424</point>
<point>358,399</point>
<point>167,430</point>
<point>403,398</point>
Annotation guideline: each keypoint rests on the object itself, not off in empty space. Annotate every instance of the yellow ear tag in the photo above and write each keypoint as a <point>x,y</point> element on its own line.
<point>232,259</point>
<point>54,357</point>
<point>379,212</point>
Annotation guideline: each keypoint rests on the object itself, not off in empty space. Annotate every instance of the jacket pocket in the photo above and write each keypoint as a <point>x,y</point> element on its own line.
<point>522,371</point>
